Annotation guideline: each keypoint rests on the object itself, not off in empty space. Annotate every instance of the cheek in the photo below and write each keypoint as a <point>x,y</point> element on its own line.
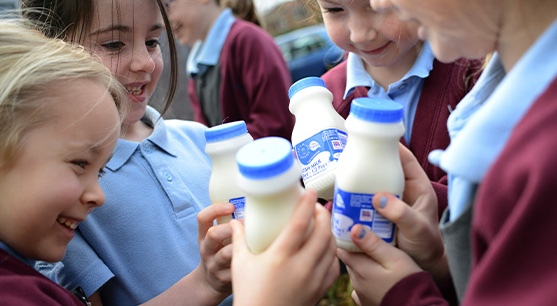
<point>159,66</point>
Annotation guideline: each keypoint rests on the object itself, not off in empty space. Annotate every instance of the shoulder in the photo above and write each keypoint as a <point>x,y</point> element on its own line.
<point>186,130</point>
<point>22,285</point>
<point>335,78</point>
<point>247,36</point>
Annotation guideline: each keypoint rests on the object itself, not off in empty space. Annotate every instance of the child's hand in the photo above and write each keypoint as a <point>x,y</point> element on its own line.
<point>418,230</point>
<point>376,270</point>
<point>216,252</point>
<point>296,269</point>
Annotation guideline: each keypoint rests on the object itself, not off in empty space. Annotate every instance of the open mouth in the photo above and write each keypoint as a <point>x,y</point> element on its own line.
<point>67,223</point>
<point>136,90</point>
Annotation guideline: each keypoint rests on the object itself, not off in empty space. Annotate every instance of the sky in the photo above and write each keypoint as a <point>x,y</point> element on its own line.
<point>264,6</point>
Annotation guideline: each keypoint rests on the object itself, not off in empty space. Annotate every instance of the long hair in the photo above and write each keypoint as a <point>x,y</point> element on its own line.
<point>71,19</point>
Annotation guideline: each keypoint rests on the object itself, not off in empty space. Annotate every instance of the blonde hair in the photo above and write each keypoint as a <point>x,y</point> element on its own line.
<point>30,65</point>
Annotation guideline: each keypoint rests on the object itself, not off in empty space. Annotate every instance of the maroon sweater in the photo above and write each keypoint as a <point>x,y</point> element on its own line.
<point>446,85</point>
<point>254,83</point>
<point>21,285</point>
<point>513,226</point>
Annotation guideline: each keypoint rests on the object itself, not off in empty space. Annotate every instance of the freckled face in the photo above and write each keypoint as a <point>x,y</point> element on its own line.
<point>380,38</point>
<point>53,183</point>
<point>126,36</point>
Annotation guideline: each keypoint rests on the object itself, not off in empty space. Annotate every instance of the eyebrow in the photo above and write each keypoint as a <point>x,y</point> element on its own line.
<point>123,28</point>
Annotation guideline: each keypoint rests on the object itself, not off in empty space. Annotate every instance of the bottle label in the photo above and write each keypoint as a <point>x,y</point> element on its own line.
<point>319,152</point>
<point>239,204</point>
<point>356,208</point>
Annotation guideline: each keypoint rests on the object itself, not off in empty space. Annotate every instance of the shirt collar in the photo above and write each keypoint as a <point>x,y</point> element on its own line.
<point>9,250</point>
<point>357,75</point>
<point>207,53</point>
<point>477,146</point>
<point>159,137</point>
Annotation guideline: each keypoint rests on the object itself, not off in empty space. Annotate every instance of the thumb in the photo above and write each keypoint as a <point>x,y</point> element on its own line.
<point>371,244</point>
<point>238,238</point>
<point>407,219</point>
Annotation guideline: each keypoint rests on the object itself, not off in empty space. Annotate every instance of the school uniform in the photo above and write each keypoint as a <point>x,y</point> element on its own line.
<point>22,285</point>
<point>502,159</point>
<point>144,238</point>
<point>428,92</point>
<point>238,73</point>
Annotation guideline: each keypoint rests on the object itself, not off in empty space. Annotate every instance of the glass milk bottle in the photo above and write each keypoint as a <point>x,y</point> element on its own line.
<point>319,135</point>
<point>369,163</point>
<point>270,178</point>
<point>223,142</point>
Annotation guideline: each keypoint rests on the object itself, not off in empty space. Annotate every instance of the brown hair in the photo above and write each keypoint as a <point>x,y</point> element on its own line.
<point>70,19</point>
<point>243,9</point>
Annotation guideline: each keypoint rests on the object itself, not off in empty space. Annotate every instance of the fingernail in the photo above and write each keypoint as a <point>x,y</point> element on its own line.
<point>383,202</point>
<point>362,234</point>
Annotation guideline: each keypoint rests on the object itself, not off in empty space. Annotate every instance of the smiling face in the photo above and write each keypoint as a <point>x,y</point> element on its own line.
<point>454,28</point>
<point>381,39</point>
<point>125,35</point>
<point>53,183</point>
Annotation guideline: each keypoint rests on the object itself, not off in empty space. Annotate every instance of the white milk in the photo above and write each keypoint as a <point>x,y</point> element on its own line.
<point>223,142</point>
<point>369,163</point>
<point>319,135</point>
<point>270,178</point>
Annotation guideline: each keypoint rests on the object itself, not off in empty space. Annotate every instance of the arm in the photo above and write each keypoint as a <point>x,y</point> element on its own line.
<point>210,282</point>
<point>267,278</point>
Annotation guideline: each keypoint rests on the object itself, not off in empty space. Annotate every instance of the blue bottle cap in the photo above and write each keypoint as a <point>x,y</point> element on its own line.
<point>304,83</point>
<point>376,110</point>
<point>265,158</point>
<point>225,131</point>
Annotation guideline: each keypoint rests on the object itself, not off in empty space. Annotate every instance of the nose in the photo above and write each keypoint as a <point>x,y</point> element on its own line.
<point>362,29</point>
<point>380,5</point>
<point>93,195</point>
<point>142,60</point>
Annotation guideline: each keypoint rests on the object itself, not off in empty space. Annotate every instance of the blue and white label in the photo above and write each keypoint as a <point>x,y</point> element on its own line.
<point>240,207</point>
<point>356,208</point>
<point>319,152</point>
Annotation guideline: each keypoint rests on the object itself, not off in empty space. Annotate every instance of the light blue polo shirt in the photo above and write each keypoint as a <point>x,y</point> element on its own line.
<point>207,53</point>
<point>482,123</point>
<point>406,91</point>
<point>144,238</point>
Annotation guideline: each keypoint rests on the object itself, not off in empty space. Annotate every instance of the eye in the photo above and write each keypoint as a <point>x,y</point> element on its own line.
<point>332,10</point>
<point>113,45</point>
<point>80,163</point>
<point>153,43</point>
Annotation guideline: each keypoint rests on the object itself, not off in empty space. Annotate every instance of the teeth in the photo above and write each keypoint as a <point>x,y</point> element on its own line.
<point>66,222</point>
<point>133,90</point>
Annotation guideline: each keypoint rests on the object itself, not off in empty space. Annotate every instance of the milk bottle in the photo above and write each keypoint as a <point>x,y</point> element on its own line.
<point>223,142</point>
<point>319,135</point>
<point>270,178</point>
<point>369,163</point>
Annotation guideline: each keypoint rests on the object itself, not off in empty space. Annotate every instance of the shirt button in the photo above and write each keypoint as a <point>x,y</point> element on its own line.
<point>147,148</point>
<point>168,176</point>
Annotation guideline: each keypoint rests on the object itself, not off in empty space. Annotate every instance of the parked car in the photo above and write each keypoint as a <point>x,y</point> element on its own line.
<point>308,51</point>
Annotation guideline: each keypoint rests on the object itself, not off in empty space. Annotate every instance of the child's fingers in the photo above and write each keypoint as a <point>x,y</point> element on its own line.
<point>408,220</point>
<point>321,242</point>
<point>239,245</point>
<point>206,217</point>
<point>215,238</point>
<point>372,245</point>
<point>293,236</point>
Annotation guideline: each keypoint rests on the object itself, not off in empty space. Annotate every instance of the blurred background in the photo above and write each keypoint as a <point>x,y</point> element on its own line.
<point>298,31</point>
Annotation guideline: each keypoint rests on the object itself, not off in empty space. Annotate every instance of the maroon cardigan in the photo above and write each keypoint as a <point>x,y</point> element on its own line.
<point>446,85</point>
<point>254,83</point>
<point>21,285</point>
<point>513,225</point>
